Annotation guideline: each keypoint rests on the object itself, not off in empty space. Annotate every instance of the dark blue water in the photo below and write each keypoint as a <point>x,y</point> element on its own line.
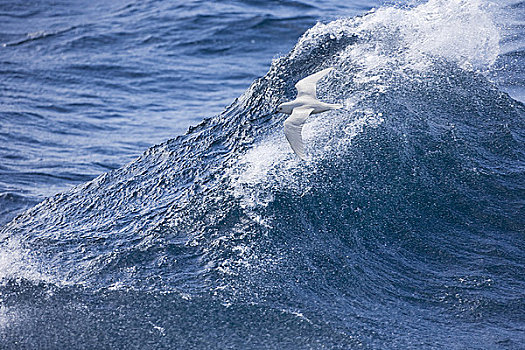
<point>124,229</point>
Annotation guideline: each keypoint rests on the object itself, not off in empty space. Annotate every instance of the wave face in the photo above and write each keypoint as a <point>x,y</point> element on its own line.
<point>403,230</point>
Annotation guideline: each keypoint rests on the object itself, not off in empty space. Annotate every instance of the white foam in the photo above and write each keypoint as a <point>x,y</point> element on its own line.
<point>7,317</point>
<point>271,163</point>
<point>17,264</point>
<point>14,263</point>
<point>462,31</point>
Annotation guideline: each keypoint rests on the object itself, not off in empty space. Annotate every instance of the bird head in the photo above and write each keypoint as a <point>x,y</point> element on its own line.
<point>284,108</point>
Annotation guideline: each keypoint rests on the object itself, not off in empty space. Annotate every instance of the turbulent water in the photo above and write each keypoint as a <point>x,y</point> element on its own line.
<point>405,229</point>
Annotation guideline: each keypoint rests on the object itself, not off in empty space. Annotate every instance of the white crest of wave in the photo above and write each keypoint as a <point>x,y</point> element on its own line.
<point>462,31</point>
<point>390,42</point>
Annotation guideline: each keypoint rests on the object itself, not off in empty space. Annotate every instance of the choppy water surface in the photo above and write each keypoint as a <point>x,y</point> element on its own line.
<point>87,87</point>
<point>404,230</point>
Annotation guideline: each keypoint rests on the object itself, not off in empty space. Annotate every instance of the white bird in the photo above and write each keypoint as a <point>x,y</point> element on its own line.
<point>305,103</point>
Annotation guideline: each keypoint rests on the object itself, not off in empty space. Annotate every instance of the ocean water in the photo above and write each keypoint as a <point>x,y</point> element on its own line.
<point>149,199</point>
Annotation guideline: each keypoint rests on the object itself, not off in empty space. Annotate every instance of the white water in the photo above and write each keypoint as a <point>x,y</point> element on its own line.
<point>393,43</point>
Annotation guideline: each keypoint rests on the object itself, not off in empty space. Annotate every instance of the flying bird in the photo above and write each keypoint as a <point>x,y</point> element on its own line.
<point>305,103</point>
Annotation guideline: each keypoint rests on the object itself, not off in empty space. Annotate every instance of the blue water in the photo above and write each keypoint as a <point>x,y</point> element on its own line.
<point>149,199</point>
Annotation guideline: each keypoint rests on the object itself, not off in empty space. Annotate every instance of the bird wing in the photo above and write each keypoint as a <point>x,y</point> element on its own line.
<point>293,126</point>
<point>307,85</point>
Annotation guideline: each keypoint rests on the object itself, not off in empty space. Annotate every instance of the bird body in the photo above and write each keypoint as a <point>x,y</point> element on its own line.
<point>306,103</point>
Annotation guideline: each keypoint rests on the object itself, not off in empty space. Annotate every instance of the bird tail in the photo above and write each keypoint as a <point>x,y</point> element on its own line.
<point>336,106</point>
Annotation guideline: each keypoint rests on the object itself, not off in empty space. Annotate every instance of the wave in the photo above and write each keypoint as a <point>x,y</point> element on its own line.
<point>423,169</point>
<point>30,37</point>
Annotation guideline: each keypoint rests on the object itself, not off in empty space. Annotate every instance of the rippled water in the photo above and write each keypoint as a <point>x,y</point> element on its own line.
<point>404,229</point>
<point>88,87</point>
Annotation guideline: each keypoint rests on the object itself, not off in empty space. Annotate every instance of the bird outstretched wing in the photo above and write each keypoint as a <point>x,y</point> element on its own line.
<point>293,127</point>
<point>307,85</point>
